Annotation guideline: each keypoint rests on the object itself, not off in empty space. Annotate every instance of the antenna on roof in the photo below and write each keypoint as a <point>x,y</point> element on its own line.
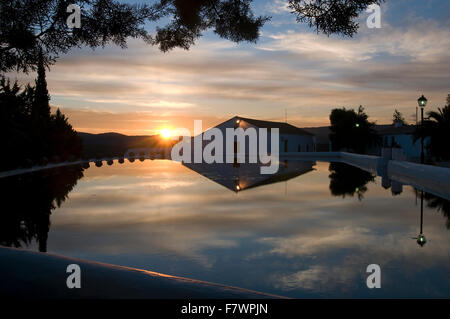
<point>285,115</point>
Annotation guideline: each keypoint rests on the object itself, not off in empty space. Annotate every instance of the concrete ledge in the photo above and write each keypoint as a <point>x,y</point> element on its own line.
<point>312,155</point>
<point>369,163</point>
<point>433,179</point>
<point>20,171</point>
<point>33,275</point>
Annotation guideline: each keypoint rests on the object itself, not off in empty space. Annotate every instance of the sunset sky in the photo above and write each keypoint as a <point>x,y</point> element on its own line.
<point>141,90</point>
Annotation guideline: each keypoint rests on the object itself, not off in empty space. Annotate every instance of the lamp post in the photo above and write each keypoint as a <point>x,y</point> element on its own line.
<point>422,103</point>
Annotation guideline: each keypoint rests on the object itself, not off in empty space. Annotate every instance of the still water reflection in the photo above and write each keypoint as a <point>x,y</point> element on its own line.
<point>309,231</point>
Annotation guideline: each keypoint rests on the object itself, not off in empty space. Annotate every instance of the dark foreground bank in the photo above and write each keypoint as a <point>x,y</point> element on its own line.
<point>31,275</point>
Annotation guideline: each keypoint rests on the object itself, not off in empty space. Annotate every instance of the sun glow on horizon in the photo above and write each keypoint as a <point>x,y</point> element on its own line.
<point>166,133</point>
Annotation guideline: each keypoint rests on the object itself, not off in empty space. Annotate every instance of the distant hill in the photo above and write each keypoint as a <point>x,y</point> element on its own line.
<point>115,144</point>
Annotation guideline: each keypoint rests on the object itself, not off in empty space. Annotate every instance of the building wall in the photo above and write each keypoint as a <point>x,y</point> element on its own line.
<point>406,142</point>
<point>295,143</point>
<point>305,143</point>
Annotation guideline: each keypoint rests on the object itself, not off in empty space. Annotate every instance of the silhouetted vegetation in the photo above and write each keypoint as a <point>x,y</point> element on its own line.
<point>331,16</point>
<point>351,130</point>
<point>440,204</point>
<point>437,128</point>
<point>29,133</point>
<point>28,201</point>
<point>397,117</point>
<point>348,180</point>
<point>28,27</point>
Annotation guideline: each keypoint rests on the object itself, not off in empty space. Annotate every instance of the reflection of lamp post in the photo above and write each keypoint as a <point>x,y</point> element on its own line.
<point>421,240</point>
<point>422,103</point>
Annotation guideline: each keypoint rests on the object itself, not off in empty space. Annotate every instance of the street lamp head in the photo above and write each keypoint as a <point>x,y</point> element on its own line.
<point>422,101</point>
<point>421,240</point>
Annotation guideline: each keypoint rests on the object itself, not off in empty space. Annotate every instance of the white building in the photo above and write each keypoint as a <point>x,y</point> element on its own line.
<point>401,138</point>
<point>292,138</point>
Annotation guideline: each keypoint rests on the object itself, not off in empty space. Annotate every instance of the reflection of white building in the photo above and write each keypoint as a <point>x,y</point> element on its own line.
<point>246,175</point>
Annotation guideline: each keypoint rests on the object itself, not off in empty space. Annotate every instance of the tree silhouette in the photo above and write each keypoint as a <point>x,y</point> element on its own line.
<point>29,27</point>
<point>397,117</point>
<point>437,128</point>
<point>15,124</point>
<point>351,130</point>
<point>331,16</point>
<point>41,105</point>
<point>63,139</point>
<point>40,111</point>
<point>28,132</point>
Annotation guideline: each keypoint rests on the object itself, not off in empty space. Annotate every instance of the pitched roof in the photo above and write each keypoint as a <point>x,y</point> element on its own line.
<point>392,130</point>
<point>284,128</point>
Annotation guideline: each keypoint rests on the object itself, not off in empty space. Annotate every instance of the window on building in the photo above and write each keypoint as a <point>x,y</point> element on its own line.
<point>300,148</point>
<point>285,146</point>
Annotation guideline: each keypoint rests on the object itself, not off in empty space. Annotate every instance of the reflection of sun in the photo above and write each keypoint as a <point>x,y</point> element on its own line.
<point>166,133</point>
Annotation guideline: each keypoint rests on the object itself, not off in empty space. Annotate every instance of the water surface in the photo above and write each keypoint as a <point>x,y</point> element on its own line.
<point>310,231</point>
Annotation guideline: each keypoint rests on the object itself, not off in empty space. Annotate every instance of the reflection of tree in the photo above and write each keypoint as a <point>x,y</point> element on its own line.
<point>440,204</point>
<point>28,201</point>
<point>348,180</point>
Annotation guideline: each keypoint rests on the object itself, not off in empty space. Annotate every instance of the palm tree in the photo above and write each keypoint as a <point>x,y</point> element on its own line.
<point>437,128</point>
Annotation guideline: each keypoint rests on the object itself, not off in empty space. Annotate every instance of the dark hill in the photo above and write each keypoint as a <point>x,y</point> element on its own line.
<point>114,144</point>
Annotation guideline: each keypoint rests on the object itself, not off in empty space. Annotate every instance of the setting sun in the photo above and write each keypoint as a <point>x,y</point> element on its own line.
<point>166,133</point>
